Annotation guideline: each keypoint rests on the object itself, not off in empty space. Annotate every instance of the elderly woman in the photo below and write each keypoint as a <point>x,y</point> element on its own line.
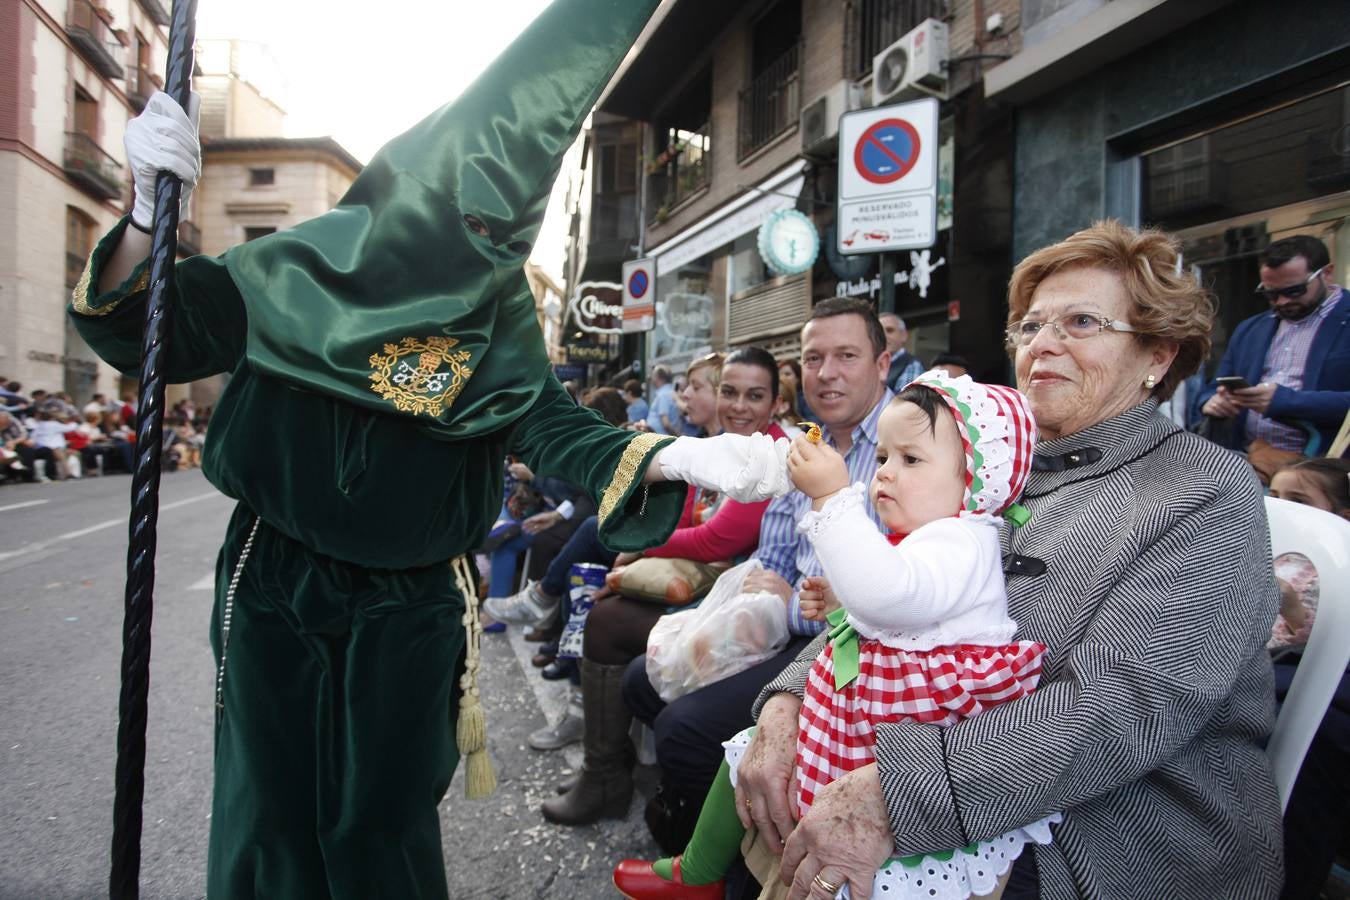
<point>1145,568</point>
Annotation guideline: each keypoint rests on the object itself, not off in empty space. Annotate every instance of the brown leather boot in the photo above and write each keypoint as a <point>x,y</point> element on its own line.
<point>604,788</point>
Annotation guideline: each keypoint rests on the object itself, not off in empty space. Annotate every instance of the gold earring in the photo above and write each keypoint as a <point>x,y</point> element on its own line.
<point>1150,381</point>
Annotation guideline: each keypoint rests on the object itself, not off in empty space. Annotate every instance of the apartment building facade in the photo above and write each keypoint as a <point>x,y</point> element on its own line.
<point>75,71</point>
<point>1227,123</point>
<point>727,113</point>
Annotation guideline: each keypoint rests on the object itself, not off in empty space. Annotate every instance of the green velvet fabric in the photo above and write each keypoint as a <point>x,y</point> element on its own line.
<point>373,488</point>
<point>330,761</point>
<point>394,269</point>
<point>383,360</point>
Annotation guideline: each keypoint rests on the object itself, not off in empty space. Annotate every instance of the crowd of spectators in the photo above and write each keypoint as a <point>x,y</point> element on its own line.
<point>46,437</point>
<point>1126,331</point>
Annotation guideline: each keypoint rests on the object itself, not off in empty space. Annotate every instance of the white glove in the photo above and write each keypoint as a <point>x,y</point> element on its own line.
<point>747,469</point>
<point>162,138</point>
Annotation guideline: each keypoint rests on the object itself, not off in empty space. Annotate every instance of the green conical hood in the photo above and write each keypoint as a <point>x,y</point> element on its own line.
<point>390,301</point>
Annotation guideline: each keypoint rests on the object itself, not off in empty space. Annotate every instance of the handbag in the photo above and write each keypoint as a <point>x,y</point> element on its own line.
<point>669,582</point>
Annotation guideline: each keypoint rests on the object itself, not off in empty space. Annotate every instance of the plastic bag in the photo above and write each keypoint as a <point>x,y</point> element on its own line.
<point>584,581</point>
<point>728,632</point>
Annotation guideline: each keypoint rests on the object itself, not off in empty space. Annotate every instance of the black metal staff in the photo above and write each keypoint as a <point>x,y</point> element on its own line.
<point>124,883</point>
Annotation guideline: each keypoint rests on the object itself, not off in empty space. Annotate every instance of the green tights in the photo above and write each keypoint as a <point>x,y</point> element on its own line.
<point>716,839</point>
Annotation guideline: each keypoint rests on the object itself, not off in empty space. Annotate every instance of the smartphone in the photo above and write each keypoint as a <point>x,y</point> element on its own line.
<point>1233,382</point>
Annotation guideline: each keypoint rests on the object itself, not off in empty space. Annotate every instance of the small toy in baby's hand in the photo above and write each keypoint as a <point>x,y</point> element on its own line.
<point>812,431</point>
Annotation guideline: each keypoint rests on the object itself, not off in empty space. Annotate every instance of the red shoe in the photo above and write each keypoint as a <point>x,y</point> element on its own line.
<point>635,880</point>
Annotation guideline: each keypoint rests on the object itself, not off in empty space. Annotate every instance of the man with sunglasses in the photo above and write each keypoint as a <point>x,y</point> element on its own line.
<point>1295,358</point>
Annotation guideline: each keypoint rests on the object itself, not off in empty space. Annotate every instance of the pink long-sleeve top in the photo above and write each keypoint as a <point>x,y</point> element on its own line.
<point>731,531</point>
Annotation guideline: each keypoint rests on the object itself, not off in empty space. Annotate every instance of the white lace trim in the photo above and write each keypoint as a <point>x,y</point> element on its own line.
<point>813,523</point>
<point>964,875</point>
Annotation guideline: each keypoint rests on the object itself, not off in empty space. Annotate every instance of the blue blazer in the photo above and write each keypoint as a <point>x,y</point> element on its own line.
<point>1325,398</point>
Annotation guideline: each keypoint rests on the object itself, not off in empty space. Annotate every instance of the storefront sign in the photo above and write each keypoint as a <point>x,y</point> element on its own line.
<point>919,278</point>
<point>888,168</point>
<point>596,307</point>
<point>686,315</point>
<point>588,353</point>
<point>70,362</point>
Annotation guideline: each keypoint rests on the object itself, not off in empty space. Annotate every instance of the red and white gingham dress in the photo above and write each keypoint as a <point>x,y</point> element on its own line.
<point>939,687</point>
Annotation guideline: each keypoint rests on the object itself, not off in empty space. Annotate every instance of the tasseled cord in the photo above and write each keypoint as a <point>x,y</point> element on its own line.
<point>471,732</point>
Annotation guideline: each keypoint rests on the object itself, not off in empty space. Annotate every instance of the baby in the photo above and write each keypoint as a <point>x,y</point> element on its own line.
<point>923,607</point>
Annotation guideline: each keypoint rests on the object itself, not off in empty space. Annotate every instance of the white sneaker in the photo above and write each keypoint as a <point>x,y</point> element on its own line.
<point>569,730</point>
<point>527,607</point>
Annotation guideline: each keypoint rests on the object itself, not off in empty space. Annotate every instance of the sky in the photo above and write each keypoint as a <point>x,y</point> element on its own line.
<point>364,72</point>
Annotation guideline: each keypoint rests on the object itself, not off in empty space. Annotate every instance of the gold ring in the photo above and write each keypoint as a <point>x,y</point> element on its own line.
<point>824,885</point>
<point>748,804</point>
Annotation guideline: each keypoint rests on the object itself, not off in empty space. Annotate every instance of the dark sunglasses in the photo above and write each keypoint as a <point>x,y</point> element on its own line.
<point>1293,292</point>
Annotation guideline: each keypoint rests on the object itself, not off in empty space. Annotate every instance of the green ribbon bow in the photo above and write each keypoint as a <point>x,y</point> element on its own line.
<point>844,640</point>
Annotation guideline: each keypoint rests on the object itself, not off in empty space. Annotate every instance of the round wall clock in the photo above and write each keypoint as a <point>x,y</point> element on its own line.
<point>788,242</point>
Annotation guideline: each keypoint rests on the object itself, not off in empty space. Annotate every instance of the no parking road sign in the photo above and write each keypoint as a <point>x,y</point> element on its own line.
<point>639,295</point>
<point>888,160</point>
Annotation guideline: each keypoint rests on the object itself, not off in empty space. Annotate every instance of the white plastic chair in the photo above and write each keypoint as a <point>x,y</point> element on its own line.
<point>1325,540</point>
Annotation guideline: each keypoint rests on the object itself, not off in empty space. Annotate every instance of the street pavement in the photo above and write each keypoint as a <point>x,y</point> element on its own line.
<point>62,568</point>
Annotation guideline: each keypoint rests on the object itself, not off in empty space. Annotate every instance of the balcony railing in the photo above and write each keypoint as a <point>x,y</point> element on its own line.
<point>156,11</point>
<point>88,31</point>
<point>91,168</point>
<point>679,171</point>
<point>141,83</point>
<point>189,239</point>
<point>873,25</point>
<point>770,104</point>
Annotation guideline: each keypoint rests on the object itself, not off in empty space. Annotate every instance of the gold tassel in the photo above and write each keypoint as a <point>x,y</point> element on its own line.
<point>471,728</point>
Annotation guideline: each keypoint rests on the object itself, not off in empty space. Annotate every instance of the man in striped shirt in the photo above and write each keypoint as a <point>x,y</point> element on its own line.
<point>844,366</point>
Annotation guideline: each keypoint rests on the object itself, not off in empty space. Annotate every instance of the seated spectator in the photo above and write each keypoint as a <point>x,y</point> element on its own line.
<point>637,404</point>
<point>13,467</point>
<point>49,432</point>
<point>785,410</point>
<point>1314,821</point>
<point>98,451</point>
<point>845,360</point>
<point>954,364</point>
<point>713,529</point>
<point>1137,733</point>
<point>664,416</point>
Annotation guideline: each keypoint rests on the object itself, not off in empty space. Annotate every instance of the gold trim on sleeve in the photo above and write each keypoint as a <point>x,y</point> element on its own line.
<point>79,297</point>
<point>628,470</point>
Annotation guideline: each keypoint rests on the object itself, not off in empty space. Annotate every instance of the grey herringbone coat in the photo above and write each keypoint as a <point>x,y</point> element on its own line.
<point>1155,600</point>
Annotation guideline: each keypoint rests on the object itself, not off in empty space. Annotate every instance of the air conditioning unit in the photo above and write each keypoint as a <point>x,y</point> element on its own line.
<point>820,118</point>
<point>913,66</point>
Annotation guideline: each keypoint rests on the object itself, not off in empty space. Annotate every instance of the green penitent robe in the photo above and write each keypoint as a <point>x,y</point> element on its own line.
<point>383,359</point>
<point>353,482</point>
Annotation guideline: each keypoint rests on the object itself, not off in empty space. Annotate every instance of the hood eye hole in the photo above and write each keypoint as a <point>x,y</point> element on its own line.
<point>476,225</point>
<point>521,247</point>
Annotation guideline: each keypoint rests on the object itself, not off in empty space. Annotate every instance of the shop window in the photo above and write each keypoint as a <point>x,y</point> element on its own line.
<point>771,100</point>
<point>262,177</point>
<point>684,312</point>
<point>1290,154</point>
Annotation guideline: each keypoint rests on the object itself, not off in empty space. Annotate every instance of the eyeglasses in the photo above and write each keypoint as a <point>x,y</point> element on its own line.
<point>1292,292</point>
<point>1070,326</point>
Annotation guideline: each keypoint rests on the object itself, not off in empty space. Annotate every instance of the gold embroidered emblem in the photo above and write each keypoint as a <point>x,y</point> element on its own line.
<point>421,377</point>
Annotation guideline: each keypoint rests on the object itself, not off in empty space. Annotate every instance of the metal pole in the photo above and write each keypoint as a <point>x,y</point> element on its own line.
<point>887,275</point>
<point>124,882</point>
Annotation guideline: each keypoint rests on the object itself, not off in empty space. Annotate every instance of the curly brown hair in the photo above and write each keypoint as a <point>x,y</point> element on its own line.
<point>1167,304</point>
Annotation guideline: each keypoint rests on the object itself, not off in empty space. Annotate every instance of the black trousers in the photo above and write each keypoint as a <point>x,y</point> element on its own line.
<point>689,731</point>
